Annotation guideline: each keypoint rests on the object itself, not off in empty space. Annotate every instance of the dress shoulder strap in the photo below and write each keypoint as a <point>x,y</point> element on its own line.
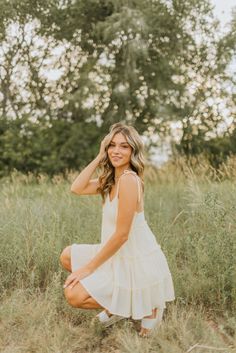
<point>127,171</point>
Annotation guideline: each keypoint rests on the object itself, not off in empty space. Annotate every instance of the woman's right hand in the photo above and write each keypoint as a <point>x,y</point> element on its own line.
<point>103,145</point>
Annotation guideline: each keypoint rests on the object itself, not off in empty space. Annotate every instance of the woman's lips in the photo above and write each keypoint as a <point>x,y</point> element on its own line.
<point>116,158</point>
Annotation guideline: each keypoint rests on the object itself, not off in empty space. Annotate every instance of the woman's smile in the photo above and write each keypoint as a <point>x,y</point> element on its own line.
<point>119,150</point>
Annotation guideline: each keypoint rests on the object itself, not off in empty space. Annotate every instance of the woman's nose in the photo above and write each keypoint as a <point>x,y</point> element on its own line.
<point>117,149</point>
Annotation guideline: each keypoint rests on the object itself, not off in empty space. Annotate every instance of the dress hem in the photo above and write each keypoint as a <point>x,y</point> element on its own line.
<point>104,303</point>
<point>99,301</point>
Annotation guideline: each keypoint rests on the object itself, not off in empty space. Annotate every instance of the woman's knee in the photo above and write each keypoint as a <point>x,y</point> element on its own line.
<point>73,298</point>
<point>65,258</point>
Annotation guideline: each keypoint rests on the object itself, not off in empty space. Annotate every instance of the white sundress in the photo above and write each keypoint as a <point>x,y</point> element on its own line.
<point>136,279</point>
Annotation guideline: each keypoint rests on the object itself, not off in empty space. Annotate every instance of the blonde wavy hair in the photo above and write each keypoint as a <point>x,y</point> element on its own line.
<point>137,159</point>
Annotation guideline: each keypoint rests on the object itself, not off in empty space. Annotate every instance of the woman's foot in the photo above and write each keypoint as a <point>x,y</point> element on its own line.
<point>107,319</point>
<point>145,332</point>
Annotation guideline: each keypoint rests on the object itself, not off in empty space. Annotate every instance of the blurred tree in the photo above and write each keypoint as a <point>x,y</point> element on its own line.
<point>209,123</point>
<point>35,147</point>
<point>68,66</point>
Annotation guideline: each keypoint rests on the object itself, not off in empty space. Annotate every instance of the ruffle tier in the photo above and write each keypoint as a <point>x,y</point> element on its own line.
<point>130,286</point>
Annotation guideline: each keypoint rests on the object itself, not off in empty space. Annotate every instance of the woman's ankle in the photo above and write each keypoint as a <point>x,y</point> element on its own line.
<point>153,316</point>
<point>108,313</point>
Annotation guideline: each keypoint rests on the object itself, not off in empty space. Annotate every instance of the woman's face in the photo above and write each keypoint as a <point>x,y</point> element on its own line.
<point>119,151</point>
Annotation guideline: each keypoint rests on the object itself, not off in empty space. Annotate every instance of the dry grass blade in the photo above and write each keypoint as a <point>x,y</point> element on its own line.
<point>207,347</point>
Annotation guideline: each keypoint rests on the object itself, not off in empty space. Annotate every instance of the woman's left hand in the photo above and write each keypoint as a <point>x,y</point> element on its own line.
<point>76,276</point>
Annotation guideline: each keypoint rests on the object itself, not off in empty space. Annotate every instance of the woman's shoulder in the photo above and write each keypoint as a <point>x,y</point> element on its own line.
<point>130,178</point>
<point>128,175</point>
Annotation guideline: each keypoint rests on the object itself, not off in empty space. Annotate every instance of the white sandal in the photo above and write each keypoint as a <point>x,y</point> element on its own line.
<point>150,324</point>
<point>107,320</point>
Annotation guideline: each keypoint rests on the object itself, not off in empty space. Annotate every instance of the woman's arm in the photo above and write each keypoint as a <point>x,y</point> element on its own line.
<point>128,197</point>
<point>82,180</point>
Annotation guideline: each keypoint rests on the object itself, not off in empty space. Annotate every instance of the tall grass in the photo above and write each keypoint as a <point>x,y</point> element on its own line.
<point>191,210</point>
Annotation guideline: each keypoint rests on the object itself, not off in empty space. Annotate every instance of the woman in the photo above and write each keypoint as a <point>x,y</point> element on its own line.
<point>126,274</point>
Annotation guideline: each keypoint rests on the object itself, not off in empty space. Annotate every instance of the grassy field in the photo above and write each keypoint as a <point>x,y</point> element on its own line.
<point>192,214</point>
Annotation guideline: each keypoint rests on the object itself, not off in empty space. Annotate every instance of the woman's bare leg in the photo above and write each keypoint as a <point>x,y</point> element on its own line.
<point>91,303</point>
<point>77,296</point>
<point>65,258</point>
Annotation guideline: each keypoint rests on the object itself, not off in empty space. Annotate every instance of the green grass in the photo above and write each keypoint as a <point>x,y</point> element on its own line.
<point>194,221</point>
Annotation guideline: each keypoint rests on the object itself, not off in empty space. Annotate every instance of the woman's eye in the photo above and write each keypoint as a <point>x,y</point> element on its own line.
<point>114,146</point>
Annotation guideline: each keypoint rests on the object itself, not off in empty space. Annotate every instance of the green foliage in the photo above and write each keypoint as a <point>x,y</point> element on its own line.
<point>216,150</point>
<point>147,63</point>
<point>46,149</point>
